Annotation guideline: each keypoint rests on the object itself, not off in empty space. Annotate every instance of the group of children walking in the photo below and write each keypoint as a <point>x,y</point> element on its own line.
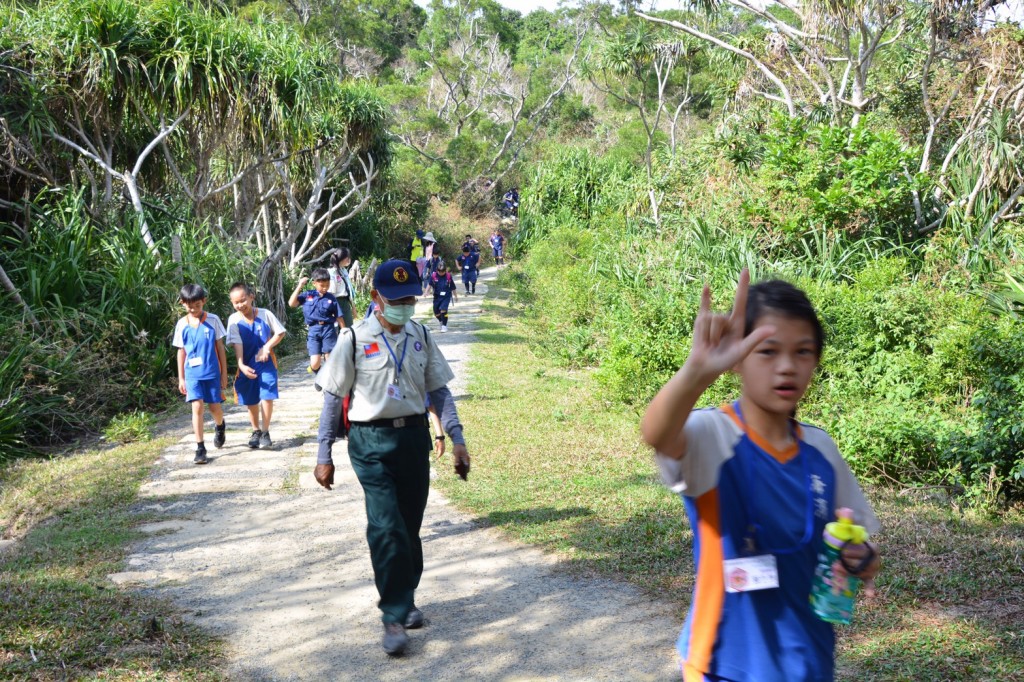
<point>253,333</point>
<point>203,368</point>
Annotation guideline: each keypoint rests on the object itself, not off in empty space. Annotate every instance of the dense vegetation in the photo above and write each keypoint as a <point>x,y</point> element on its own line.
<point>869,150</point>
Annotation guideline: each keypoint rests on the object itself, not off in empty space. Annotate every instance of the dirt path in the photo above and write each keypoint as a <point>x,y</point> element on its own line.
<point>256,552</point>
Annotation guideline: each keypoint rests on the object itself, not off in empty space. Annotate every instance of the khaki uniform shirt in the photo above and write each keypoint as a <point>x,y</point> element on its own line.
<point>424,369</point>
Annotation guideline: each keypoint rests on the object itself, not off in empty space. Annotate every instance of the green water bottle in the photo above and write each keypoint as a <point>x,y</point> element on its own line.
<point>832,596</point>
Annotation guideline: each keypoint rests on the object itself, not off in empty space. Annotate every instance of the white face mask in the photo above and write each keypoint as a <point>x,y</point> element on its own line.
<point>398,314</point>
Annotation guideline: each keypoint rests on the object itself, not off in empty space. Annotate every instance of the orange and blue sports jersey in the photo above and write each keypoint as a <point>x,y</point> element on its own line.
<point>200,344</point>
<point>732,482</point>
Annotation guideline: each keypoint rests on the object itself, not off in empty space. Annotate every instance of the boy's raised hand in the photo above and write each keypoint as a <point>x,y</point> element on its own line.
<point>718,340</point>
<point>302,281</point>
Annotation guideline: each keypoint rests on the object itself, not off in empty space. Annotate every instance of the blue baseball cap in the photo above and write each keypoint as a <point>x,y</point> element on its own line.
<point>396,279</point>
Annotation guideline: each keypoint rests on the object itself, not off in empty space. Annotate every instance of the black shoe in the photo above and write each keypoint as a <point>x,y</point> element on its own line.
<point>414,620</point>
<point>265,439</point>
<point>395,640</point>
<point>200,454</point>
<point>218,434</point>
<point>254,439</point>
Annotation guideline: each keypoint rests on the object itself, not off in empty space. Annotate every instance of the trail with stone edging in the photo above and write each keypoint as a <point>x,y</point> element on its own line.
<point>256,552</point>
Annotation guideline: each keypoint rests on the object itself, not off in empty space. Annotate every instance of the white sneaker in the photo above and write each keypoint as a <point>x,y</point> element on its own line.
<point>444,327</point>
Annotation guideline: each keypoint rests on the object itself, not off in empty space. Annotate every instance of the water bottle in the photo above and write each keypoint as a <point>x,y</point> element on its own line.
<point>832,595</point>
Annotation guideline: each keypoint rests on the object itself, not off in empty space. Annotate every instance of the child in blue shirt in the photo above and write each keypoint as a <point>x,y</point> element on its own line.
<point>253,332</point>
<point>321,311</point>
<point>498,247</point>
<point>758,488</point>
<point>202,365</point>
<point>469,261</point>
<point>444,290</point>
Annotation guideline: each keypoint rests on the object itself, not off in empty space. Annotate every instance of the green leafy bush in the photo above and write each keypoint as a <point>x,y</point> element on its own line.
<point>132,427</point>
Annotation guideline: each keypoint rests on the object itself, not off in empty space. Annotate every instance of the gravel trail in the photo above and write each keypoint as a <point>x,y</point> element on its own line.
<point>255,551</point>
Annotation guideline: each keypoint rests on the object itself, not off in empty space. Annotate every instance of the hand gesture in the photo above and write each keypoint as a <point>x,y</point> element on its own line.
<point>302,281</point>
<point>247,370</point>
<point>718,340</point>
<point>461,455</point>
<point>262,355</point>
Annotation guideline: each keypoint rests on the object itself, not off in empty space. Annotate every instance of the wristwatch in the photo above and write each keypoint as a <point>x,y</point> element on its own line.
<point>439,437</point>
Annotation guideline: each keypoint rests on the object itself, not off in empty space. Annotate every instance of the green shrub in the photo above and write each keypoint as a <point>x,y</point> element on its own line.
<point>132,427</point>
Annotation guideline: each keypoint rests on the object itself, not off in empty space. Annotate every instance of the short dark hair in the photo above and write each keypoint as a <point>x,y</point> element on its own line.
<point>249,291</point>
<point>190,293</point>
<point>781,297</point>
<point>320,274</point>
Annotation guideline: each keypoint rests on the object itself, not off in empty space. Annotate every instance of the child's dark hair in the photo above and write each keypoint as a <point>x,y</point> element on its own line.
<point>190,293</point>
<point>320,274</point>
<point>249,291</point>
<point>782,298</point>
<point>339,256</point>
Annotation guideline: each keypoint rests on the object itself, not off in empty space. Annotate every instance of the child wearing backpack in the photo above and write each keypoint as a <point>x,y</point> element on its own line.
<point>444,287</point>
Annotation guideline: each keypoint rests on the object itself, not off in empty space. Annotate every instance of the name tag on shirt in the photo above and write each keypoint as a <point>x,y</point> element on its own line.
<point>195,362</point>
<point>751,573</point>
<point>394,392</point>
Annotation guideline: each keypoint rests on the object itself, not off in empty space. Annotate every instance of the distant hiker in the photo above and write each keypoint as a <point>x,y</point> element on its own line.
<point>431,268</point>
<point>471,244</point>
<point>202,365</point>
<point>510,202</point>
<point>497,242</point>
<point>418,249</point>
<point>443,286</point>
<point>469,263</point>
<point>341,285</point>
<point>320,310</point>
<point>253,332</point>
<point>389,365</point>
<point>758,487</point>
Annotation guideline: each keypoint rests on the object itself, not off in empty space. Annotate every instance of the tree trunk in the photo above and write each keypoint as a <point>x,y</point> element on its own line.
<point>9,287</point>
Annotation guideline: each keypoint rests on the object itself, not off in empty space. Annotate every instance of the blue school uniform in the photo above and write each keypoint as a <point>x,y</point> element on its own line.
<point>732,480</point>
<point>252,337</point>
<point>202,366</point>
<point>470,263</point>
<point>444,288</point>
<point>320,311</point>
<point>498,245</point>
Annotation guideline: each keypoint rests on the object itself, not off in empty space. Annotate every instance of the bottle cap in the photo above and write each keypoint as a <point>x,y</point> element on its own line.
<point>844,530</point>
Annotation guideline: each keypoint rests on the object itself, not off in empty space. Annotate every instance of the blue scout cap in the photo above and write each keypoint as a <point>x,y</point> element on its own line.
<point>397,279</point>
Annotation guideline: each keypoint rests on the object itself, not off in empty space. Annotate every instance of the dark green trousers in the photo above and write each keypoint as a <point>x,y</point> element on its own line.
<point>393,466</point>
<point>346,311</point>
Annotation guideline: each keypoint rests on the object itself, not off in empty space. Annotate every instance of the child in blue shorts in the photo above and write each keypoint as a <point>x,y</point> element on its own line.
<point>444,289</point>
<point>202,364</point>
<point>321,310</point>
<point>253,332</point>
<point>469,261</point>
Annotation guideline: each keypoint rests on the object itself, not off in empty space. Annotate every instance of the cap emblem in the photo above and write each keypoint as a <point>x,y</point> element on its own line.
<point>401,276</point>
